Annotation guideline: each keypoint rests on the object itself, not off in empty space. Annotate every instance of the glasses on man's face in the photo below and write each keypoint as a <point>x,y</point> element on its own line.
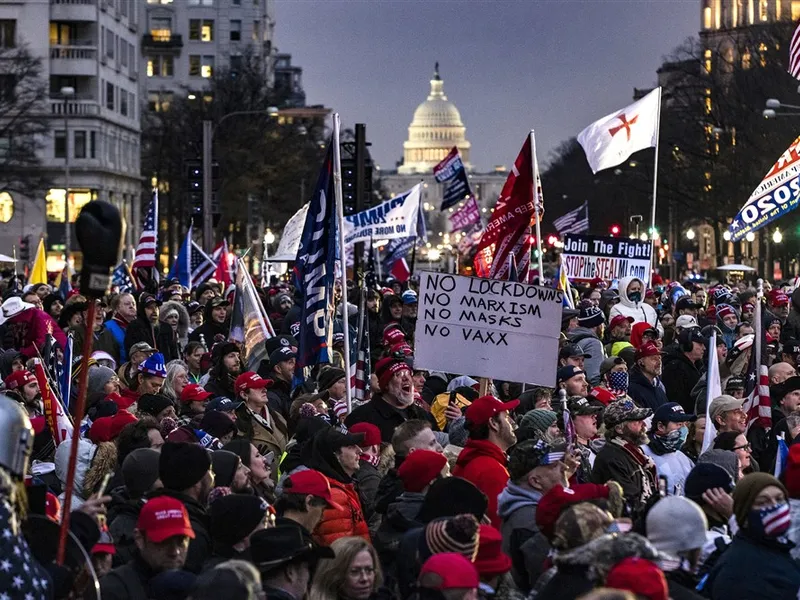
<point>747,447</point>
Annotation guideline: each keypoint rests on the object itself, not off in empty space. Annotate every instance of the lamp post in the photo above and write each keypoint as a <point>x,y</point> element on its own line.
<point>66,94</point>
<point>208,142</point>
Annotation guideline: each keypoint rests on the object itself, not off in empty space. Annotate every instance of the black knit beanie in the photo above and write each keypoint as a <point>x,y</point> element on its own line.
<point>235,516</point>
<point>182,465</point>
<point>225,465</point>
<point>152,404</point>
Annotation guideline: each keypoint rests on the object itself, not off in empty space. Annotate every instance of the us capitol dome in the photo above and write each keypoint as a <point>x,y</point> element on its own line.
<point>434,130</point>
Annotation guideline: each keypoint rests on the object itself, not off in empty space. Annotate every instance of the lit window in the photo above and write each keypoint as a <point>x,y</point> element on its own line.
<point>150,70</point>
<point>746,59</point>
<point>795,10</point>
<point>207,68</point>
<point>707,17</point>
<point>762,10</point>
<point>207,31</point>
<point>54,199</point>
<point>6,207</point>
<point>707,56</point>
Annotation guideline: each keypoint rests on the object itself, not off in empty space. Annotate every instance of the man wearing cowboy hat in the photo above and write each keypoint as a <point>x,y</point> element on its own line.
<point>28,326</point>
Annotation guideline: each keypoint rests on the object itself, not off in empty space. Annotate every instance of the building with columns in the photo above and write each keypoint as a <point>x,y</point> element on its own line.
<point>90,58</point>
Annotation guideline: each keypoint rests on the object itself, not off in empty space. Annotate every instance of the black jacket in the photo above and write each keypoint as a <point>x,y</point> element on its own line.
<point>279,395</point>
<point>400,518</point>
<point>200,547</point>
<point>367,480</point>
<point>140,330</point>
<point>168,342</point>
<point>386,417</point>
<point>614,462</point>
<point>123,512</point>
<point>221,386</point>
<point>389,489</point>
<point>210,330</point>
<point>679,376</point>
<point>128,582</point>
<point>645,393</point>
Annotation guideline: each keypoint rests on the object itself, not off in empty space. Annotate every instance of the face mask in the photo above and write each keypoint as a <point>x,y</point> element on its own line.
<point>635,296</point>
<point>618,382</point>
<point>674,440</point>
<point>771,521</point>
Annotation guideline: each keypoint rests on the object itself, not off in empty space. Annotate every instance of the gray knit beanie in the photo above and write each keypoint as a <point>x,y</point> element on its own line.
<point>539,419</point>
<point>98,376</point>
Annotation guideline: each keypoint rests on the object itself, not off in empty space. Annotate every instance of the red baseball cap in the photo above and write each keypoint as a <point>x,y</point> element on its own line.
<point>372,435</point>
<point>640,576</point>
<point>778,298</point>
<point>393,336</point>
<point>619,320</point>
<point>251,381</point>
<point>602,395</point>
<point>311,482</point>
<point>162,518</point>
<point>454,570</point>
<point>194,393</point>
<point>647,349</point>
<point>485,407</point>
<point>18,379</point>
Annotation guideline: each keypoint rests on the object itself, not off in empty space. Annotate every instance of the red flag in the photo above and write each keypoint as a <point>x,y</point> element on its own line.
<point>508,230</point>
<point>57,420</point>
<point>400,270</point>
<point>223,272</point>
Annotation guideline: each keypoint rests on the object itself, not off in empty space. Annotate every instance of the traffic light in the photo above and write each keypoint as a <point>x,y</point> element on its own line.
<point>614,230</point>
<point>552,239</point>
<point>349,185</point>
<point>194,190</point>
<point>25,248</point>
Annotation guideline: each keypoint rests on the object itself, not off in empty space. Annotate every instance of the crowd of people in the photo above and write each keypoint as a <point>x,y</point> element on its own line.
<point>196,478</point>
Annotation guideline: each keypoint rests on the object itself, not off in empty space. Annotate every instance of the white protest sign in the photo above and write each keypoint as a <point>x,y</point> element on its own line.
<point>395,218</point>
<point>290,238</point>
<point>488,328</point>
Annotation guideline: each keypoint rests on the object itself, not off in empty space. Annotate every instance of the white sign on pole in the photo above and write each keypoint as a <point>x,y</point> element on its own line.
<point>290,238</point>
<point>488,328</point>
<point>395,218</point>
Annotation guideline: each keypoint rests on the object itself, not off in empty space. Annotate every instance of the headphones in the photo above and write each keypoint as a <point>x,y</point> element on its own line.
<point>685,340</point>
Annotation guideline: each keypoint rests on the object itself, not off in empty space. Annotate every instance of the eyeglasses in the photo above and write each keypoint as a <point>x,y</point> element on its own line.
<point>747,447</point>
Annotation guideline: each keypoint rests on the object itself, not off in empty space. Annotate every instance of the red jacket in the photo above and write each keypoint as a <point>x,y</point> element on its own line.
<point>347,522</point>
<point>484,464</point>
<point>31,327</point>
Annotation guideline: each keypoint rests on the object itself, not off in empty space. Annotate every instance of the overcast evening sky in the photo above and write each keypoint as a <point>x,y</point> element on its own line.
<point>508,65</point>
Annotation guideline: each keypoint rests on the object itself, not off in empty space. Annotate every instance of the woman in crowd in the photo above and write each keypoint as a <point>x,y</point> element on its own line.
<point>354,574</point>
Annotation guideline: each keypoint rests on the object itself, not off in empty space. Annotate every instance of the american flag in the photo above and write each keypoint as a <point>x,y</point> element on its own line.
<point>794,54</point>
<point>121,278</point>
<point>147,247</point>
<point>202,265</point>
<point>575,221</point>
<point>757,404</point>
<point>360,369</point>
<point>192,266</point>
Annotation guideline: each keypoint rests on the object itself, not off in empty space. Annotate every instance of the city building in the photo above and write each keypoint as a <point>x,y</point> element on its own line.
<point>185,41</point>
<point>89,55</point>
<point>435,128</point>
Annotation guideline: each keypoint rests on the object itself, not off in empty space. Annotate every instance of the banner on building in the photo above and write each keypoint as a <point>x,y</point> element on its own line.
<point>290,237</point>
<point>466,216</point>
<point>487,327</point>
<point>777,194</point>
<point>451,172</point>
<point>588,256</point>
<point>395,218</point>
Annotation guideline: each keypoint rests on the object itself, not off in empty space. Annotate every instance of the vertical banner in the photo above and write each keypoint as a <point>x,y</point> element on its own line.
<point>451,172</point>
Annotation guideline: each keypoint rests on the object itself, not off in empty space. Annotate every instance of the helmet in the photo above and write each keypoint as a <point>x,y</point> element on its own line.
<point>17,440</point>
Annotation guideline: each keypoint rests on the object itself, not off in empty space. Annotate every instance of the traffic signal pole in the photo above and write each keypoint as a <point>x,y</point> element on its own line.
<point>360,158</point>
<point>208,228</point>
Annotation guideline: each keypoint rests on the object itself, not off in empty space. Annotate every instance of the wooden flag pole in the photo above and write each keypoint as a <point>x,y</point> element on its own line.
<point>655,194</point>
<point>337,189</point>
<point>537,204</point>
<point>483,388</point>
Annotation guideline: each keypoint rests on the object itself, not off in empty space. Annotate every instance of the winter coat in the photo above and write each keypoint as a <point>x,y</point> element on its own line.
<point>29,330</point>
<point>643,392</point>
<point>266,437</point>
<point>94,461</point>
<point>681,585</point>
<point>100,343</point>
<point>389,488</point>
<point>675,466</point>
<point>754,567</point>
<point>209,330</point>
<point>123,512</point>
<point>573,574</point>
<point>794,529</point>
<point>170,341</point>
<point>401,516</point>
<point>140,330</point>
<point>590,344</point>
<point>113,339</point>
<point>128,582</point>
<point>386,417</point>
<point>201,546</point>
<point>484,464</point>
<point>220,385</point>
<point>614,462</point>
<point>279,395</point>
<point>345,522</point>
<point>367,480</point>
<point>728,334</point>
<point>679,376</point>
<point>640,311</point>
<point>18,562</point>
<point>516,507</point>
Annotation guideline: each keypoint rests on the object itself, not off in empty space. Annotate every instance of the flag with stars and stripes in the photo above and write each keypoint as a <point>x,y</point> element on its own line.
<point>121,278</point>
<point>575,221</point>
<point>193,266</point>
<point>147,248</point>
<point>21,575</point>
<point>757,405</point>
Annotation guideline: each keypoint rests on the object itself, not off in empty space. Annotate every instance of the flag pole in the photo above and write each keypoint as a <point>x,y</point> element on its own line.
<point>337,190</point>
<point>655,193</point>
<point>538,208</point>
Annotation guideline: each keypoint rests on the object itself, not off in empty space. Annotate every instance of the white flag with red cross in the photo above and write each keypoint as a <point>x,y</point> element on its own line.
<point>612,139</point>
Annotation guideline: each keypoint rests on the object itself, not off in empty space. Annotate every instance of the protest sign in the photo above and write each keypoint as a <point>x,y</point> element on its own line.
<point>466,216</point>
<point>487,328</point>
<point>588,256</point>
<point>451,172</point>
<point>395,218</point>
<point>290,238</point>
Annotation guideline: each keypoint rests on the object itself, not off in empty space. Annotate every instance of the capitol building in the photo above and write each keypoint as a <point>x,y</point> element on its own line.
<point>435,128</point>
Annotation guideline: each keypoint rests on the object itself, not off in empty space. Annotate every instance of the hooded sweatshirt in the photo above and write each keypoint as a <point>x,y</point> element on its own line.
<point>516,507</point>
<point>728,334</point>
<point>639,311</point>
<point>140,329</point>
<point>210,329</point>
<point>484,464</point>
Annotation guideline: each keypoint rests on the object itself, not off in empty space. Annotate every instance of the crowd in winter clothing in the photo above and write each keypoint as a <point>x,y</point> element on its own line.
<point>645,473</point>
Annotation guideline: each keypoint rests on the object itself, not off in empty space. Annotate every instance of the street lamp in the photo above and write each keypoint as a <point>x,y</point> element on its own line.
<point>690,235</point>
<point>773,103</point>
<point>750,237</point>
<point>269,237</point>
<point>726,235</point>
<point>66,93</point>
<point>777,236</point>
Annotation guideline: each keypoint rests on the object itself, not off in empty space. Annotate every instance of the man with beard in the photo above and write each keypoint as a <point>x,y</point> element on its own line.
<point>162,535</point>
<point>185,470</point>
<point>23,387</point>
<point>215,326</point>
<point>256,420</point>
<point>231,472</point>
<point>225,368</point>
<point>144,328</point>
<point>645,387</point>
<point>483,460</point>
<point>394,404</point>
<point>282,362</point>
<point>622,459</point>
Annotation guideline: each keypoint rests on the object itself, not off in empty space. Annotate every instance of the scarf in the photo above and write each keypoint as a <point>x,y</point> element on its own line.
<point>373,460</point>
<point>644,464</point>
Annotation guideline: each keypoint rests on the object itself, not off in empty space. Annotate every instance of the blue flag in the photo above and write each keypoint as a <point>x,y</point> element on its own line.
<point>314,270</point>
<point>121,278</point>
<point>181,268</point>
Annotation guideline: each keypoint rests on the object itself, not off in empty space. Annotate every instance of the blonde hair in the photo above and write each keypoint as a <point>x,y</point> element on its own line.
<point>331,573</point>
